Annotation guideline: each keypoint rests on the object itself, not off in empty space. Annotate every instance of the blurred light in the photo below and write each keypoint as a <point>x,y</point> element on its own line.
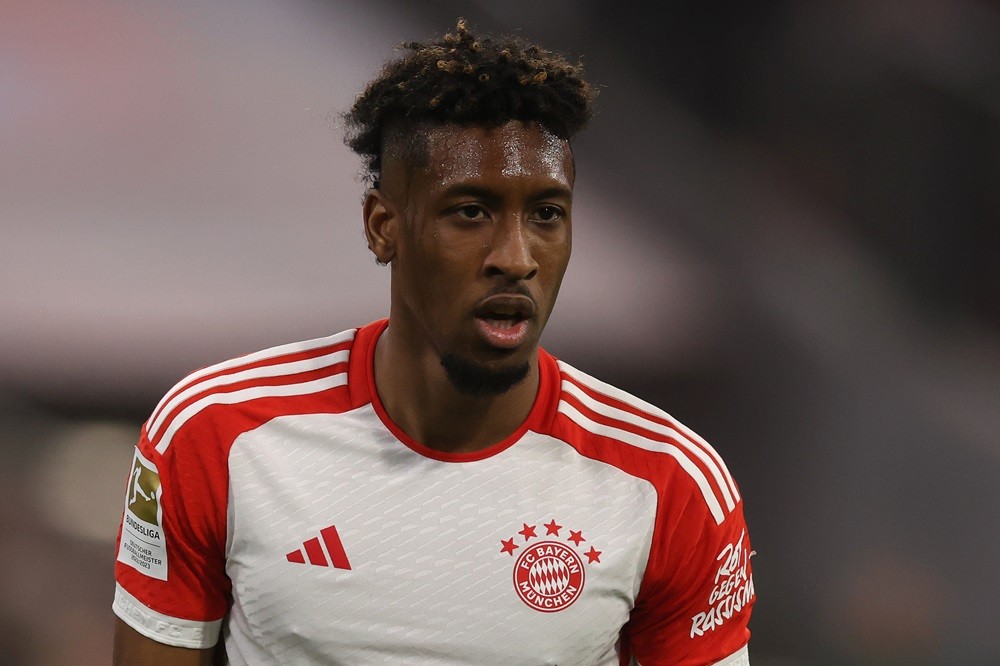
<point>80,487</point>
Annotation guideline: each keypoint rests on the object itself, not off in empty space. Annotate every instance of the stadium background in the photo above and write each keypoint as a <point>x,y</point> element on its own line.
<point>786,235</point>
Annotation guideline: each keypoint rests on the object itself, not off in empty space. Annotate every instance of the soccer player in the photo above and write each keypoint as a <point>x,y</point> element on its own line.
<point>435,488</point>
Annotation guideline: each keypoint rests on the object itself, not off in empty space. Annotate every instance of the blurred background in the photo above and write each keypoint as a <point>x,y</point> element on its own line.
<point>786,236</point>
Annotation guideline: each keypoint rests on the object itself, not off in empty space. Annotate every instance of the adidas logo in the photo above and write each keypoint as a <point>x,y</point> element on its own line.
<point>313,550</point>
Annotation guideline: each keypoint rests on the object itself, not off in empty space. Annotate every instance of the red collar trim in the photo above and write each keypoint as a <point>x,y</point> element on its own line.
<point>363,391</point>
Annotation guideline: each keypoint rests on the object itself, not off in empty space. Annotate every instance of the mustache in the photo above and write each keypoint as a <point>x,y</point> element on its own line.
<point>515,296</point>
<point>513,289</point>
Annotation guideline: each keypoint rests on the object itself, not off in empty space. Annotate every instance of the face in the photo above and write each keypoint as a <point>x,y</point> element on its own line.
<point>478,241</point>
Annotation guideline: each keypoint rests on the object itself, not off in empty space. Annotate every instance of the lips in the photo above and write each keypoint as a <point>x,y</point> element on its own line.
<point>503,320</point>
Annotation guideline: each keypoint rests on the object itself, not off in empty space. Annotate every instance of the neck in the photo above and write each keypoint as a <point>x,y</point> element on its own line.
<point>423,402</point>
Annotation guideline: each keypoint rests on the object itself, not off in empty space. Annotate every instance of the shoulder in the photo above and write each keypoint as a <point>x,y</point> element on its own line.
<point>604,422</point>
<point>236,395</point>
<point>697,588</point>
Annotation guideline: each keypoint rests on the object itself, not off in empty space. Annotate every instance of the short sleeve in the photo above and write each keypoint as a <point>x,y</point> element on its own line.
<point>171,584</point>
<point>694,604</point>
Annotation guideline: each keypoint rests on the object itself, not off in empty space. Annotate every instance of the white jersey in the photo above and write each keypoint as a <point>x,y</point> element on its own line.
<point>272,500</point>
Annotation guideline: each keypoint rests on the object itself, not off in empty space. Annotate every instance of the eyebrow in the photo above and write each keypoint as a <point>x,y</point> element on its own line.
<point>555,191</point>
<point>487,194</point>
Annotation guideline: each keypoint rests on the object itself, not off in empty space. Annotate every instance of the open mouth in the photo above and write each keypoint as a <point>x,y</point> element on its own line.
<point>503,320</point>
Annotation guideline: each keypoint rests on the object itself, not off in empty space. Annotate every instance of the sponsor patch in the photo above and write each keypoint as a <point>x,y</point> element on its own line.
<point>143,546</point>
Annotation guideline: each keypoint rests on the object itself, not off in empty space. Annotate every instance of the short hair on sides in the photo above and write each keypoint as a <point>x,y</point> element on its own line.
<point>469,80</point>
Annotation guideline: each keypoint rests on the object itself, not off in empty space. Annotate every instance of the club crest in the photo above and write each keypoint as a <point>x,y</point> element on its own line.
<point>549,573</point>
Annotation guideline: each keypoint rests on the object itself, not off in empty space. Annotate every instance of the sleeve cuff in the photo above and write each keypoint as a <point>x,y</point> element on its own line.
<point>739,658</point>
<point>163,628</point>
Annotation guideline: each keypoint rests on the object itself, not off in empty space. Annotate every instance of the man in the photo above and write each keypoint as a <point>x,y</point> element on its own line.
<point>434,488</point>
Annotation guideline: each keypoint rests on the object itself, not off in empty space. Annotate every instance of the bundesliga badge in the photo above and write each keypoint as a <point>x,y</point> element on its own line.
<point>548,575</point>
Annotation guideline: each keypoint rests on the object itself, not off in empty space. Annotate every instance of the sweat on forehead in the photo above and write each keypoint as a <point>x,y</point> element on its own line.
<point>409,147</point>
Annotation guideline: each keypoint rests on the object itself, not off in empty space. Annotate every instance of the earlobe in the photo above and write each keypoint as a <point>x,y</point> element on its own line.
<point>380,226</point>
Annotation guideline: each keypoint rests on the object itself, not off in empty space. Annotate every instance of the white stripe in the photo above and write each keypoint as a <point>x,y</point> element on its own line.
<point>276,370</point>
<point>164,628</point>
<point>739,658</point>
<point>650,445</point>
<point>618,394</point>
<point>628,417</point>
<point>244,395</point>
<point>272,352</point>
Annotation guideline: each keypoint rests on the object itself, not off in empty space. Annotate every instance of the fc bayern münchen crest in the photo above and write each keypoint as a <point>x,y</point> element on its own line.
<point>548,575</point>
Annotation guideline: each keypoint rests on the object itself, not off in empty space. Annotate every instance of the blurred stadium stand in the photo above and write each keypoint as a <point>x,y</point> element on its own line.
<point>786,235</point>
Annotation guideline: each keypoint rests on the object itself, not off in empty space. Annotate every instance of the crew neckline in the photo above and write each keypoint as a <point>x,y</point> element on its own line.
<point>363,368</point>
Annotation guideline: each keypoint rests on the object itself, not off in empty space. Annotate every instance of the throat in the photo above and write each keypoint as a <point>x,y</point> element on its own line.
<point>448,403</point>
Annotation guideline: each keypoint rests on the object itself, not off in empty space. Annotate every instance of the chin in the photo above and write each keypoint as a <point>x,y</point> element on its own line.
<point>480,380</point>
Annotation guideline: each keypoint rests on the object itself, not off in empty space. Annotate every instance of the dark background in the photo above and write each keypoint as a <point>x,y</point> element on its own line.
<point>786,236</point>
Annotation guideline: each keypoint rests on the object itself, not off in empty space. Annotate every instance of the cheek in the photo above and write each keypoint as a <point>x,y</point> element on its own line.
<point>554,253</point>
<point>443,279</point>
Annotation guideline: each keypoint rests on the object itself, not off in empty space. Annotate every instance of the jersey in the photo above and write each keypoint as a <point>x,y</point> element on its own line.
<point>273,502</point>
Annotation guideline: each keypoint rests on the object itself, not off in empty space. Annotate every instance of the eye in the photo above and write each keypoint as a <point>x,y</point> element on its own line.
<point>470,212</point>
<point>547,214</point>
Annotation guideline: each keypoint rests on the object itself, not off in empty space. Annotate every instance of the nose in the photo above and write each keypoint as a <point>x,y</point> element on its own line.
<point>510,253</point>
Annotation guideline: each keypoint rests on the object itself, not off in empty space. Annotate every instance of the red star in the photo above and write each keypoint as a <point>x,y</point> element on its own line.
<point>508,546</point>
<point>593,555</point>
<point>552,528</point>
<point>576,537</point>
<point>528,531</point>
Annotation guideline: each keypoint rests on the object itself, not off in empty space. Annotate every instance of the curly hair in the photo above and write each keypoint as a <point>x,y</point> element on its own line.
<point>466,79</point>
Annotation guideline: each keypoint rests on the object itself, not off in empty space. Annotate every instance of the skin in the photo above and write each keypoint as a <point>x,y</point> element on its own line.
<point>491,213</point>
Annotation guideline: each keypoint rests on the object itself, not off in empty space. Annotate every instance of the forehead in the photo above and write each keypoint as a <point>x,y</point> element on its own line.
<point>511,151</point>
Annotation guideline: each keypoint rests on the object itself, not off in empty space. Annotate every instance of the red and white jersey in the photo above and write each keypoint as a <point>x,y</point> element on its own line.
<point>273,500</point>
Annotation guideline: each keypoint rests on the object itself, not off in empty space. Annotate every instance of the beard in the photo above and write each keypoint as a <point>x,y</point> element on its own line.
<point>479,381</point>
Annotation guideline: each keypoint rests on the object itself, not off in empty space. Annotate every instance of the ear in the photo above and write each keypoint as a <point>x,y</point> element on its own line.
<point>381,225</point>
